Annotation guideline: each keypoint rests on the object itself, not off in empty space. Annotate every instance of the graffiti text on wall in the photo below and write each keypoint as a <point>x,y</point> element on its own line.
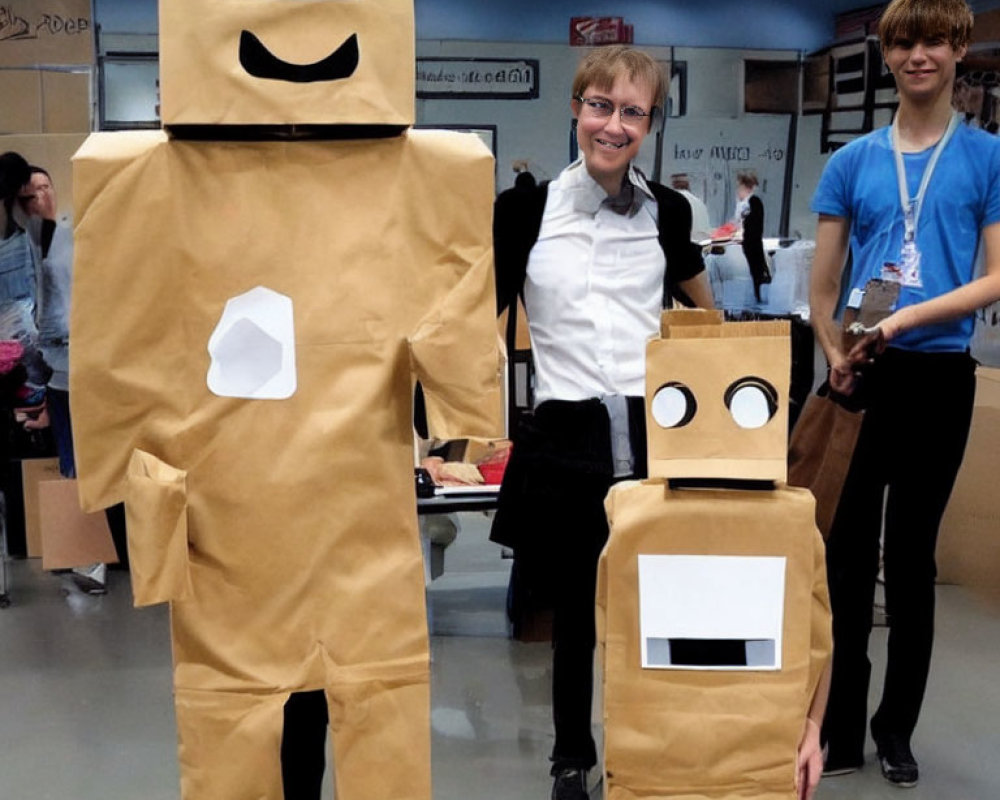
<point>16,27</point>
<point>477,78</point>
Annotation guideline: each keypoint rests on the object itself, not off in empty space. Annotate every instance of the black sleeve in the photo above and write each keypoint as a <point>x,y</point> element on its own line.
<point>517,218</point>
<point>504,248</point>
<point>684,259</point>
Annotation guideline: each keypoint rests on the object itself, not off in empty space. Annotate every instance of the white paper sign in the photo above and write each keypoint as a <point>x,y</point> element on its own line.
<point>252,349</point>
<point>711,612</point>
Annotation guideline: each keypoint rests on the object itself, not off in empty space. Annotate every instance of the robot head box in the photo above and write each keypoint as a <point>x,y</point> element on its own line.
<point>717,398</point>
<point>261,64</point>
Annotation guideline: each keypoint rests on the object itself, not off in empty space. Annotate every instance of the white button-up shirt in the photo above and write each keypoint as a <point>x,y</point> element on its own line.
<point>594,290</point>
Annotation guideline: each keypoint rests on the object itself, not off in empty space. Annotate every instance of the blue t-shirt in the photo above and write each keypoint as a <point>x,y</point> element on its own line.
<point>963,197</point>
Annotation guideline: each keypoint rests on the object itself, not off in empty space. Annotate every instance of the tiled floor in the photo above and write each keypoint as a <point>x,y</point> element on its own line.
<point>86,711</point>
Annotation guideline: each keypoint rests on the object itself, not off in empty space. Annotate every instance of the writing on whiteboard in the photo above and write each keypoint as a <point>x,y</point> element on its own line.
<point>726,152</point>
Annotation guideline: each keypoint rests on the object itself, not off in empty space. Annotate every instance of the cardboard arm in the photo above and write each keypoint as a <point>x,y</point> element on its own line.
<point>156,520</point>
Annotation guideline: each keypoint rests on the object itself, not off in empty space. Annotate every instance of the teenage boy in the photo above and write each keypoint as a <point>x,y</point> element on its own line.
<point>914,202</point>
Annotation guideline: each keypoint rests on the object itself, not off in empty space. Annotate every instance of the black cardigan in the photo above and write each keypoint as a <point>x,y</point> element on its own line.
<point>517,219</point>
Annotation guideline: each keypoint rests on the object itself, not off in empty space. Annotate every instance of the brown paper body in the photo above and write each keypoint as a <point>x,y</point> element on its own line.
<point>203,83</point>
<point>708,735</point>
<point>283,531</point>
<point>707,355</point>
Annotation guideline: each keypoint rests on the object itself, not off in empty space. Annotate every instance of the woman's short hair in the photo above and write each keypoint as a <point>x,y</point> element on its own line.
<point>950,20</point>
<point>602,65</point>
<point>748,178</point>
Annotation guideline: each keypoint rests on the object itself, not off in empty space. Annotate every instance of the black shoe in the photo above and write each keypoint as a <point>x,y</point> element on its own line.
<point>899,767</point>
<point>570,784</point>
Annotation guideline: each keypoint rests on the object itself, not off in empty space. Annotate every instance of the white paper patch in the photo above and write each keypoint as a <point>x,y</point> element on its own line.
<point>711,612</point>
<point>252,349</point>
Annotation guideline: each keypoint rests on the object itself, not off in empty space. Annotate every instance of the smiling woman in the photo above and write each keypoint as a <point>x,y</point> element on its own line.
<point>591,252</point>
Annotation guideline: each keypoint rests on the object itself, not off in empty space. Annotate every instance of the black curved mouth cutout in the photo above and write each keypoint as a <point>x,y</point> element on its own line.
<point>260,62</point>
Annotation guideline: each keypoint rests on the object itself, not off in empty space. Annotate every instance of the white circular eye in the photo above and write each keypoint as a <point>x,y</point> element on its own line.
<point>752,402</point>
<point>749,407</point>
<point>673,405</point>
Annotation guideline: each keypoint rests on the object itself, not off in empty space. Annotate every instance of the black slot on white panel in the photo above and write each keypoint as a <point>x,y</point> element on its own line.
<point>703,612</point>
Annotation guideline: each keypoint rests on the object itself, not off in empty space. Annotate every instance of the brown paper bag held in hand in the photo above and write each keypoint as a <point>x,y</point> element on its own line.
<point>820,452</point>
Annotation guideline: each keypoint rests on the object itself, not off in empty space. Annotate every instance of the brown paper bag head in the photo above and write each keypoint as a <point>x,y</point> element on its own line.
<point>275,62</point>
<point>717,397</point>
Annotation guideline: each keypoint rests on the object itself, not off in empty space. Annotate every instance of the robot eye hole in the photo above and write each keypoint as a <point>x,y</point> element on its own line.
<point>752,402</point>
<point>673,405</point>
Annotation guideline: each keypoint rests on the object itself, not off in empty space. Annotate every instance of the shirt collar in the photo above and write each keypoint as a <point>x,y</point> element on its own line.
<point>588,195</point>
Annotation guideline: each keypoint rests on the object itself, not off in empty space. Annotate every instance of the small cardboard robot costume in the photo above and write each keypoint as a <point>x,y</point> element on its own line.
<point>251,309</point>
<point>712,608</point>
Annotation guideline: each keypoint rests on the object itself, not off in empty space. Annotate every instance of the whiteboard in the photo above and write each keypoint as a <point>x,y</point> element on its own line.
<point>712,151</point>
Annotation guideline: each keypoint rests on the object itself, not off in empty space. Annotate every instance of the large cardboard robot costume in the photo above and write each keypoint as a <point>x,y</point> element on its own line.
<point>251,311</point>
<point>713,613</point>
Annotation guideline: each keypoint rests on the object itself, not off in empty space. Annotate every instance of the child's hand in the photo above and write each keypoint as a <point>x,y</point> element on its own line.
<point>810,761</point>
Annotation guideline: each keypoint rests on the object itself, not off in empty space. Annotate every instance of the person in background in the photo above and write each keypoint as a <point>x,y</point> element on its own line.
<point>54,241</point>
<point>701,228</point>
<point>913,202</point>
<point>591,254</point>
<point>750,213</point>
<point>18,268</point>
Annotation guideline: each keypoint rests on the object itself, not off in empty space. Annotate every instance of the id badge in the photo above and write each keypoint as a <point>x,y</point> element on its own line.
<point>909,265</point>
<point>879,301</point>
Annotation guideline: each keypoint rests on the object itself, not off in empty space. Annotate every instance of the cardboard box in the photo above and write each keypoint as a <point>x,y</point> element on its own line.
<point>20,101</point>
<point>968,550</point>
<point>71,538</point>
<point>36,32</point>
<point>65,102</point>
<point>205,80</point>
<point>44,101</point>
<point>33,472</point>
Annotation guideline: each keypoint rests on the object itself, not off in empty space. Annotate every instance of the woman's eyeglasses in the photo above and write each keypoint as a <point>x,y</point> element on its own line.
<point>602,109</point>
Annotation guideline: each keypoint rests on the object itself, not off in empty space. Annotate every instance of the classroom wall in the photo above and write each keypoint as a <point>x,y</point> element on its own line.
<point>710,143</point>
<point>794,24</point>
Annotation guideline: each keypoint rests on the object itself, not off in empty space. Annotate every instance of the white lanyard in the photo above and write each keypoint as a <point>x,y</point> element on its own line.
<point>911,207</point>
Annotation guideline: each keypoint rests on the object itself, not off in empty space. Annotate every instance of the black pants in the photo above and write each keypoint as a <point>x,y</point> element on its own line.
<point>753,251</point>
<point>303,745</point>
<point>563,475</point>
<point>911,443</point>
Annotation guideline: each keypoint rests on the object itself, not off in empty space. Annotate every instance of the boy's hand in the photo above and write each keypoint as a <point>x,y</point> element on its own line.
<point>842,377</point>
<point>873,342</point>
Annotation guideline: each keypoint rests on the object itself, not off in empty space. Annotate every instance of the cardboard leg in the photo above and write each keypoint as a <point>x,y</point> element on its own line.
<point>230,744</point>
<point>381,739</point>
